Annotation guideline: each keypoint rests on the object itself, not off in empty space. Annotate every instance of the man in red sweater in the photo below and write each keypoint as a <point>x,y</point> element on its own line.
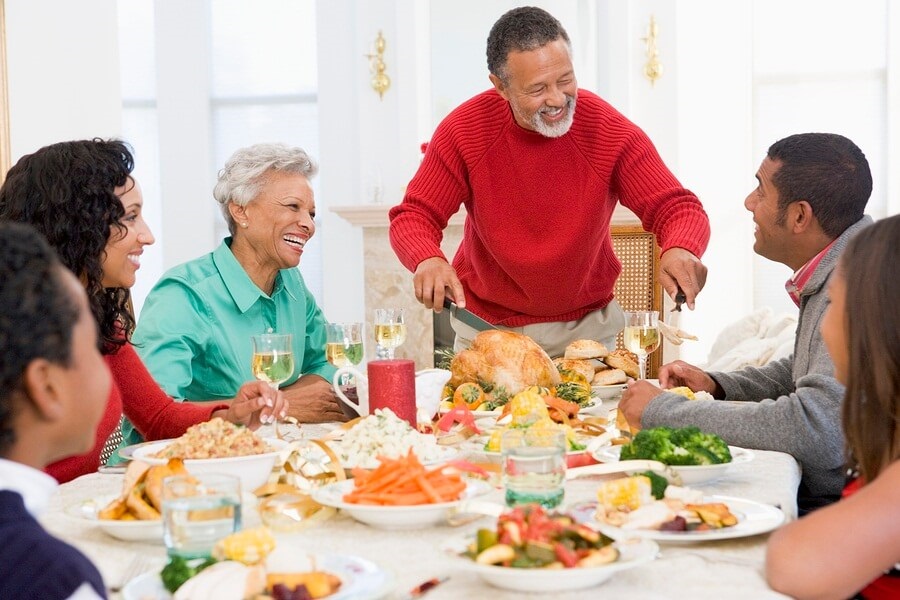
<point>540,181</point>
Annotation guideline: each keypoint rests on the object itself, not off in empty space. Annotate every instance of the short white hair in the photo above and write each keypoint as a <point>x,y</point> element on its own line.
<point>243,176</point>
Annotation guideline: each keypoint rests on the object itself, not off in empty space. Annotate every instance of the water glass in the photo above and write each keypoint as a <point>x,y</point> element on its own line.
<point>198,511</point>
<point>534,466</point>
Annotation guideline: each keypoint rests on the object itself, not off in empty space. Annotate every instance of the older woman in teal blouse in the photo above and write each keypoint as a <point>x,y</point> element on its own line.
<point>194,330</point>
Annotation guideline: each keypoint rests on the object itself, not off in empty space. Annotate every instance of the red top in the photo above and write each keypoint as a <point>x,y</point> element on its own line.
<point>536,246</point>
<point>153,413</point>
<point>886,587</point>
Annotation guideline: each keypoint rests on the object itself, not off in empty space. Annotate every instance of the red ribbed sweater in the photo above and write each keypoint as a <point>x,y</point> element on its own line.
<point>145,404</point>
<point>536,245</point>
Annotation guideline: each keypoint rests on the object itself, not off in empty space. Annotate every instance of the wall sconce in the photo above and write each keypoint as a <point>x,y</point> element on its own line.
<point>380,81</point>
<point>653,69</point>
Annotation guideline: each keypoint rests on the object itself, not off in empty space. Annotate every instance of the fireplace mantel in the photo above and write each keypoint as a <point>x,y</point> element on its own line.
<point>388,284</point>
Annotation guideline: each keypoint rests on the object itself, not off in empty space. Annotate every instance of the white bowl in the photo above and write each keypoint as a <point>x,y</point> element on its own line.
<point>252,470</point>
<point>394,517</point>
<point>130,531</point>
<point>632,553</point>
<point>689,474</point>
<point>607,392</point>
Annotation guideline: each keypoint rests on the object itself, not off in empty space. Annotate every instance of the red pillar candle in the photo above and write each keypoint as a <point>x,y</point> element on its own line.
<point>392,384</point>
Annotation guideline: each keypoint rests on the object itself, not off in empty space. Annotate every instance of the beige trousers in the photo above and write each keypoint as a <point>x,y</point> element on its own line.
<point>602,325</point>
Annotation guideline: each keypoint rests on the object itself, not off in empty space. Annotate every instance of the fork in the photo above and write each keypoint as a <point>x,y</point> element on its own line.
<point>139,565</point>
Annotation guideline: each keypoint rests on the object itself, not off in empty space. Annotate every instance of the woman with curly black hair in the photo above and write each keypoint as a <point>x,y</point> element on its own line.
<point>81,196</point>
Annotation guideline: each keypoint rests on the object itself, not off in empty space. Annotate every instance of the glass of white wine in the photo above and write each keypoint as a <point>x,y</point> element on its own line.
<point>642,335</point>
<point>390,331</point>
<point>273,358</point>
<point>344,345</point>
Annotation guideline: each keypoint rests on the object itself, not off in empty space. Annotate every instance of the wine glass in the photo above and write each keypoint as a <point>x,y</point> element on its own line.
<point>344,345</point>
<point>390,331</point>
<point>272,361</point>
<point>641,335</point>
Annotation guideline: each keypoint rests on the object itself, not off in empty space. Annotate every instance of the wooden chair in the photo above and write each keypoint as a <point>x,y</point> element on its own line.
<point>638,286</point>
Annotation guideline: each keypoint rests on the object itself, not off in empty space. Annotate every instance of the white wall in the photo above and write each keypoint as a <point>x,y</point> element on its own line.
<point>63,79</point>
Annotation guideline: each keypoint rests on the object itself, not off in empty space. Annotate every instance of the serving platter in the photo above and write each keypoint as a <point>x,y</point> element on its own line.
<point>690,475</point>
<point>360,578</point>
<point>632,553</point>
<point>754,518</point>
<point>395,517</point>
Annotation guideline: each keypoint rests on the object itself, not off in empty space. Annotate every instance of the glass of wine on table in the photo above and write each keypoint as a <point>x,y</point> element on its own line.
<point>390,331</point>
<point>273,360</point>
<point>344,346</point>
<point>641,335</point>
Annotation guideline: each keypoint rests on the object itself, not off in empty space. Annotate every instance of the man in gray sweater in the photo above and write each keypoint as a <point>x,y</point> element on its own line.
<point>812,193</point>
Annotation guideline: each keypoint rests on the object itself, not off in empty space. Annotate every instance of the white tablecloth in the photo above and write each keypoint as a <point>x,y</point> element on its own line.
<point>723,569</point>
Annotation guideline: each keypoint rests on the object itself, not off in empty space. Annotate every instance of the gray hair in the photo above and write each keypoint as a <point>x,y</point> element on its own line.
<point>243,176</point>
<point>521,30</point>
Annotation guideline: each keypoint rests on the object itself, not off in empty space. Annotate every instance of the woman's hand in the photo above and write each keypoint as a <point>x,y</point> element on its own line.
<point>256,403</point>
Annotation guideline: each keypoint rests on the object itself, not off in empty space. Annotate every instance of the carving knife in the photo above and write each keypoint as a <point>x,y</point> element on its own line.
<point>467,317</point>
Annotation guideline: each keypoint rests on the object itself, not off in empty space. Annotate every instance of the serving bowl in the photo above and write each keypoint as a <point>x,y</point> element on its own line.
<point>690,475</point>
<point>253,470</point>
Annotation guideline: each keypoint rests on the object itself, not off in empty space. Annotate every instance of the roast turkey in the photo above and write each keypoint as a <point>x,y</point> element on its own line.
<point>506,360</point>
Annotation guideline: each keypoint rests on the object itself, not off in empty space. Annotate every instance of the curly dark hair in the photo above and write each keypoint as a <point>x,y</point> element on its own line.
<point>520,29</point>
<point>871,409</point>
<point>37,314</point>
<point>828,171</point>
<point>66,191</point>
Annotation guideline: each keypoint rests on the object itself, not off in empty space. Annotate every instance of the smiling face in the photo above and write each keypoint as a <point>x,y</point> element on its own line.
<point>126,244</point>
<point>834,325</point>
<point>279,221</point>
<point>541,88</point>
<point>773,239</point>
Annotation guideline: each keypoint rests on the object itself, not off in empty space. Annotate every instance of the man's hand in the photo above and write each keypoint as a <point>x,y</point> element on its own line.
<point>680,373</point>
<point>312,400</point>
<point>635,398</point>
<point>680,268</point>
<point>255,403</point>
<point>432,279</point>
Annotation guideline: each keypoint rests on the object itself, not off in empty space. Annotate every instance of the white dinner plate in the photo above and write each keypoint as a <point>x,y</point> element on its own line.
<point>395,517</point>
<point>632,553</point>
<point>131,531</point>
<point>442,455</point>
<point>690,475</point>
<point>360,579</point>
<point>753,517</point>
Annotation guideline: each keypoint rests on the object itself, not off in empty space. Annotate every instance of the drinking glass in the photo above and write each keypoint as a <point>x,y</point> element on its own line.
<point>198,511</point>
<point>344,346</point>
<point>273,358</point>
<point>641,335</point>
<point>534,466</point>
<point>390,331</point>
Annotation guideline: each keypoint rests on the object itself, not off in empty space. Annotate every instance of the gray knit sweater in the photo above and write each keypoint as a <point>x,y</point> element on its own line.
<point>792,405</point>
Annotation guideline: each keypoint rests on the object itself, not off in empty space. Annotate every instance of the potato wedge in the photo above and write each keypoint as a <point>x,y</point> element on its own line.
<point>139,506</point>
<point>154,479</point>
<point>113,511</point>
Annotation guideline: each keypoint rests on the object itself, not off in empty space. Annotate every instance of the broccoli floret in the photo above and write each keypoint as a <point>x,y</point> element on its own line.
<point>658,484</point>
<point>178,570</point>
<point>651,444</point>
<point>679,447</point>
<point>706,448</point>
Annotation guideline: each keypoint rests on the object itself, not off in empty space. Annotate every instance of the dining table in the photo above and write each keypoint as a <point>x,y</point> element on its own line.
<point>727,568</point>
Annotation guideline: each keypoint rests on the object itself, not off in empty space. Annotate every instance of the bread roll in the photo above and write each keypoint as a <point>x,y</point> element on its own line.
<point>586,349</point>
<point>579,366</point>
<point>625,360</point>
<point>609,377</point>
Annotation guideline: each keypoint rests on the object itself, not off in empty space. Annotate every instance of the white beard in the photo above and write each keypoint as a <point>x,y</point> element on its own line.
<point>557,129</point>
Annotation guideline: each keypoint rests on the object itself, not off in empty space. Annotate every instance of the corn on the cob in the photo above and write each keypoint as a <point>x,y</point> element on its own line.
<point>528,406</point>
